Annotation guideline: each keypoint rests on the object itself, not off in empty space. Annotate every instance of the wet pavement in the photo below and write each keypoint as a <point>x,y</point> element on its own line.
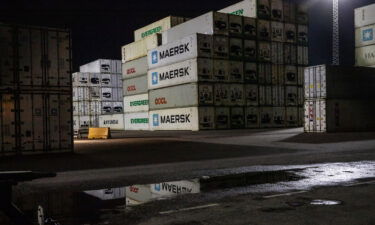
<point>216,192</point>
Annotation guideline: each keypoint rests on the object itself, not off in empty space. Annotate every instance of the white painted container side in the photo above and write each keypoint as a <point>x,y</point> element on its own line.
<point>134,68</point>
<point>136,103</point>
<point>365,56</point>
<point>136,121</point>
<point>139,48</point>
<point>188,47</point>
<point>174,119</point>
<point>364,16</point>
<point>114,122</point>
<point>246,8</point>
<point>135,86</point>
<point>101,66</point>
<point>365,36</point>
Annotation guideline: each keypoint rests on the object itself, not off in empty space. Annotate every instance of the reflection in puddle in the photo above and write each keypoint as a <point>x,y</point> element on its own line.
<point>325,202</point>
<point>100,206</point>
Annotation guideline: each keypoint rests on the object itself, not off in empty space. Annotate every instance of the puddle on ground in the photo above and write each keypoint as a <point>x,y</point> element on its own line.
<point>94,207</point>
<point>325,202</point>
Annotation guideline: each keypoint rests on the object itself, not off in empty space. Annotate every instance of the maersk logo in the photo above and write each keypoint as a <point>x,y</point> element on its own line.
<point>155,78</point>
<point>157,187</point>
<point>368,35</point>
<point>155,120</point>
<point>154,57</point>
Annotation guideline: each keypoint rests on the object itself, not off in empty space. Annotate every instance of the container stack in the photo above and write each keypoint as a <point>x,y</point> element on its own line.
<point>35,90</point>
<point>339,99</point>
<point>364,35</point>
<point>134,71</point>
<point>97,95</point>
<point>225,71</point>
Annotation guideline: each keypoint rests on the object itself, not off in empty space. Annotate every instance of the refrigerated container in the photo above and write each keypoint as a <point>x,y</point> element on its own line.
<point>158,27</point>
<point>277,53</point>
<point>251,95</point>
<point>136,121</point>
<point>290,33</point>
<point>222,117</point>
<point>139,49</point>
<point>135,86</point>
<point>278,95</point>
<point>291,95</point>
<point>365,56</point>
<point>235,25</point>
<point>278,74</point>
<point>278,118</point>
<point>192,118</point>
<point>235,48</point>
<point>264,51</point>
<point>303,55</point>
<point>263,9</point>
<point>237,118</point>
<point>136,103</point>
<point>365,36</point>
<point>264,73</point>
<point>250,50</point>
<point>236,95</point>
<point>114,122</point>
<point>220,48</point>
<point>302,35</point>
<point>246,8</point>
<point>252,117</point>
<point>277,10</point>
<point>209,23</point>
<point>290,54</point>
<point>289,8</point>
<point>189,47</point>
<point>290,75</point>
<point>107,66</point>
<point>250,72</point>
<point>94,79</point>
<point>277,31</point>
<point>134,68</point>
<point>265,95</point>
<point>180,96</point>
<point>339,82</point>
<point>220,70</point>
<point>221,94</point>
<point>236,71</point>
<point>364,16</point>
<point>292,116</point>
<point>302,13</point>
<point>266,117</point>
<point>249,28</point>
<point>264,30</point>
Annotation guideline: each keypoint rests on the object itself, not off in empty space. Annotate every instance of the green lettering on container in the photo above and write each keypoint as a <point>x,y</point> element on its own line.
<point>151,31</point>
<point>238,12</point>
<point>139,103</point>
<point>139,120</point>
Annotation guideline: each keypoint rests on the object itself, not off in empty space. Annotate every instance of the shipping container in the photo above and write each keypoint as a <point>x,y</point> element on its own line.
<point>221,94</point>
<point>114,122</point>
<point>157,27</point>
<point>290,75</point>
<point>303,55</point>
<point>302,13</point>
<point>80,79</point>
<point>136,121</point>
<point>264,73</point>
<point>235,23</point>
<point>139,49</point>
<point>35,57</point>
<point>107,108</point>
<point>236,71</point>
<point>95,107</point>
<point>136,103</point>
<point>264,30</point>
<point>94,79</point>
<point>135,86</point>
<point>252,117</point>
<point>209,23</point>
<point>365,56</point>
<point>250,72</point>
<point>189,47</point>
<point>266,117</point>
<point>188,71</point>
<point>290,33</point>
<point>303,35</point>
<point>134,68</point>
<point>264,51</point>
<point>289,11</point>
<point>364,36</point>
<point>236,48</point>
<point>278,95</point>
<point>246,8</point>
<point>278,73</point>
<point>265,95</point>
<point>364,16</point>
<point>250,50</point>
<point>263,9</point>
<point>301,96</point>
<point>220,47</point>
<point>249,28</point>
<point>236,95</point>
<point>292,117</point>
<point>193,118</point>
<point>251,95</point>
<point>290,54</point>
<point>220,70</point>
<point>278,119</point>
<point>181,96</point>
<point>277,31</point>
<point>222,117</point>
<point>338,115</point>
<point>107,66</point>
<point>301,75</point>
<point>291,95</point>
<point>277,53</point>
<point>277,10</point>
<point>339,82</point>
<point>237,118</point>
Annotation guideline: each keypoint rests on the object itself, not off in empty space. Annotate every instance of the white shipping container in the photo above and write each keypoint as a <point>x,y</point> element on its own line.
<point>100,66</point>
<point>364,16</point>
<point>364,36</point>
<point>244,8</point>
<point>114,122</point>
<point>175,119</point>
<point>139,48</point>
<point>106,94</point>
<point>95,108</point>
<point>365,56</point>
<point>136,121</point>
<point>157,27</point>
<point>209,23</point>
<point>136,103</point>
<point>118,107</point>
<point>189,47</point>
<point>181,96</point>
<point>134,68</point>
<point>81,79</point>
<point>94,79</point>
<point>107,108</point>
<point>188,71</point>
<point>107,80</point>
<point>82,93</point>
<point>135,86</point>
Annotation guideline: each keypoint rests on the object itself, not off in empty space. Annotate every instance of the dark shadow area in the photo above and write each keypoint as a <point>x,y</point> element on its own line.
<point>321,138</point>
<point>100,154</point>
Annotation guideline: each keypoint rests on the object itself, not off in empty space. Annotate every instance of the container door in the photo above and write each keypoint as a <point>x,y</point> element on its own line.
<point>24,57</point>
<point>39,121</point>
<point>52,67</point>
<point>8,129</point>
<point>6,56</point>
<point>64,62</point>
<point>53,121</point>
<point>26,123</point>
<point>36,57</point>
<point>65,122</point>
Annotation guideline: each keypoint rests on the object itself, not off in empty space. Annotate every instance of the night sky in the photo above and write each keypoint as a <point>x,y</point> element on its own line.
<point>100,28</point>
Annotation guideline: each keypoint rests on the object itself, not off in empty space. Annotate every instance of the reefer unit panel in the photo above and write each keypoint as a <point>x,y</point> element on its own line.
<point>209,23</point>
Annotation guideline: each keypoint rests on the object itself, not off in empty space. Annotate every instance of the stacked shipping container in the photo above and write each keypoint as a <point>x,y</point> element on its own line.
<point>246,72</point>
<point>134,71</point>
<point>97,95</point>
<point>364,35</point>
<point>35,90</point>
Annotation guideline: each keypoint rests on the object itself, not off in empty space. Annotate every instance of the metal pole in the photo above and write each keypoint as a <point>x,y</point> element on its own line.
<point>335,34</point>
